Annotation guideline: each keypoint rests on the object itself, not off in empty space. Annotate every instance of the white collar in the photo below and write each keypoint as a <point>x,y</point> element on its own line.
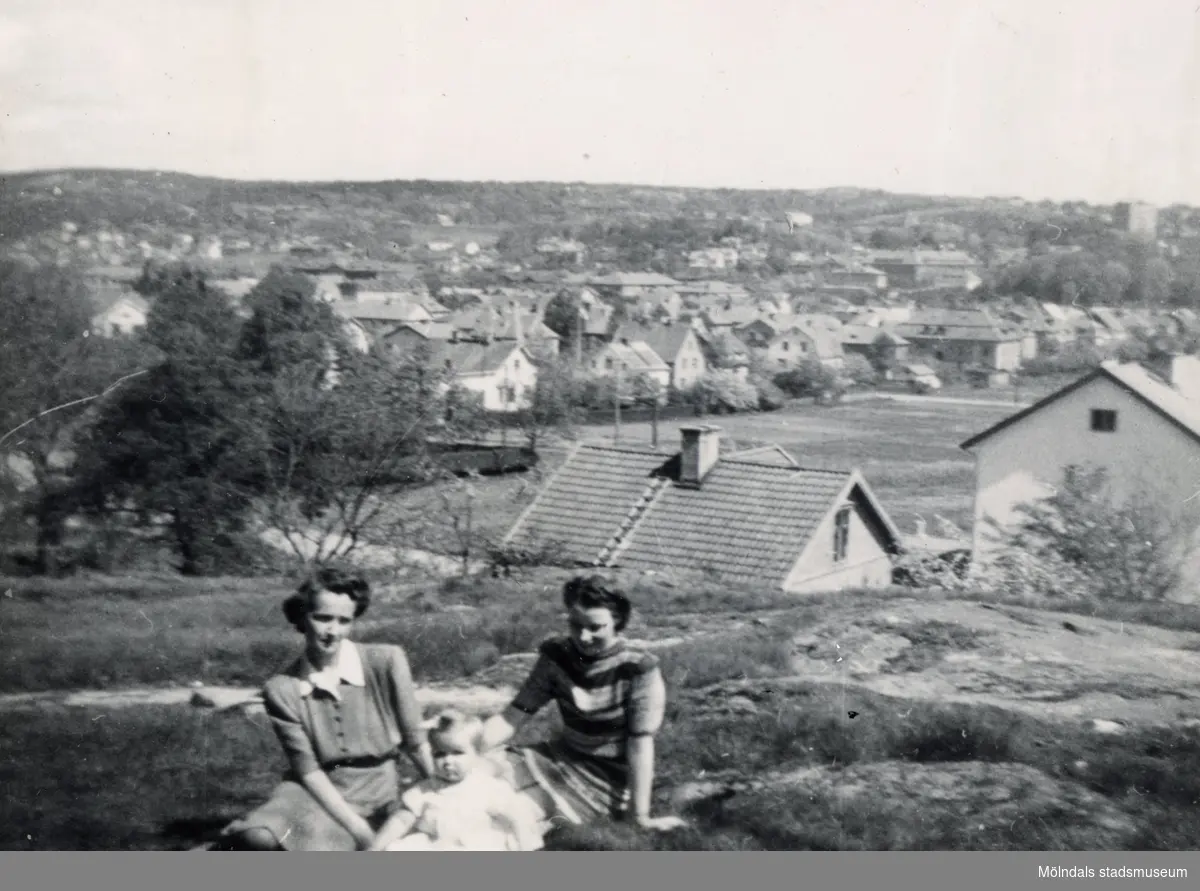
<point>347,669</point>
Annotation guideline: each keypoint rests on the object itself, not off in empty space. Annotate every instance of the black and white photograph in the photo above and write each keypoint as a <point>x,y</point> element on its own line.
<point>534,426</point>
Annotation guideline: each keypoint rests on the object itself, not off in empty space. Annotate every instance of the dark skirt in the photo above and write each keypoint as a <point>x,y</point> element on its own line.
<point>300,823</point>
<point>568,786</point>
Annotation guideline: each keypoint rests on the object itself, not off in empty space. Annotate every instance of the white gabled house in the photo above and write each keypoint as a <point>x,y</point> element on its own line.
<point>125,314</point>
<point>1142,427</point>
<point>503,373</point>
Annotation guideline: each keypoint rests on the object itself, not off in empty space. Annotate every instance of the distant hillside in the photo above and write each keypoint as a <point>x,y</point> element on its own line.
<point>142,201</point>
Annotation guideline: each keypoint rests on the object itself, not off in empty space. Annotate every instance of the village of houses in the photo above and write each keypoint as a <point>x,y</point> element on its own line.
<point>759,515</point>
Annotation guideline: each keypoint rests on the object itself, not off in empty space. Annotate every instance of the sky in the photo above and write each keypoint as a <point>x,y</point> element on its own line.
<point>1095,100</point>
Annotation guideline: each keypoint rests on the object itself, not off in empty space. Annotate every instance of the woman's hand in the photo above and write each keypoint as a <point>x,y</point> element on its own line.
<point>660,824</point>
<point>364,835</point>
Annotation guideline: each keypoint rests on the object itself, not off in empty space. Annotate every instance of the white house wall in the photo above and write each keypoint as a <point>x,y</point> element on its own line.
<point>866,565</point>
<point>518,371</point>
<point>1025,461</point>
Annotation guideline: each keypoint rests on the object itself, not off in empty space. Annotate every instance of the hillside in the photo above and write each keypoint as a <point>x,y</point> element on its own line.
<point>864,720</point>
<point>144,204</point>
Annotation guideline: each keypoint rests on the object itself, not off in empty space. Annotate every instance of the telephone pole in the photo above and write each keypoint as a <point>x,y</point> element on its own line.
<point>617,406</point>
<point>579,329</point>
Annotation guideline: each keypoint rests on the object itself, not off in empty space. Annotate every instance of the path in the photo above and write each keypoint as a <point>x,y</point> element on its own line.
<point>489,690</point>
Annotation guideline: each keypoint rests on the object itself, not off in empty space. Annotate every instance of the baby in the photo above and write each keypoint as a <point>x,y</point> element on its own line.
<point>466,806</point>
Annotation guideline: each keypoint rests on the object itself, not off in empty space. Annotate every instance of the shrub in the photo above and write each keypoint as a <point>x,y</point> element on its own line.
<point>1118,549</point>
<point>809,378</point>
<point>722,390</point>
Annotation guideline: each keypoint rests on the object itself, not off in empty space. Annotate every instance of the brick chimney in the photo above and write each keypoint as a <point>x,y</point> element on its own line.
<point>701,447</point>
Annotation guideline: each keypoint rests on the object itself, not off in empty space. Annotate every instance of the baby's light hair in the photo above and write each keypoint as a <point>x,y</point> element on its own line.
<point>453,724</point>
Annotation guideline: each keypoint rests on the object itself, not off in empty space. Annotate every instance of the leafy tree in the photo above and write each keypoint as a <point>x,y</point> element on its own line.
<point>722,390</point>
<point>1084,540</point>
<point>54,377</point>
<point>808,378</point>
<point>859,370</point>
<point>173,445</point>
<point>561,315</point>
<point>556,403</point>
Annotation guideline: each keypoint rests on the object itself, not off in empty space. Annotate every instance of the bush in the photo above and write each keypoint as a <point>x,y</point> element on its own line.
<point>809,378</point>
<point>1077,545</point>
<point>723,391</point>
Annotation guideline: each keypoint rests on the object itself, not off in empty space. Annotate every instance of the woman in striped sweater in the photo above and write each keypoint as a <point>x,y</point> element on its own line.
<point>611,698</point>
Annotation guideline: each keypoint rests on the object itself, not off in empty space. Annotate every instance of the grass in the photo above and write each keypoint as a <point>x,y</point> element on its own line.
<point>63,633</point>
<point>930,640</point>
<point>163,777</point>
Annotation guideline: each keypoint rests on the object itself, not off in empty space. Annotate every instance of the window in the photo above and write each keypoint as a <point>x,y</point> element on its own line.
<point>608,363</point>
<point>841,534</point>
<point>1104,420</point>
<point>785,346</point>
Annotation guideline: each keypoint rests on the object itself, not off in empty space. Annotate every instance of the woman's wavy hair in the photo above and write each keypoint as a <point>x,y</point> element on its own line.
<point>596,592</point>
<point>299,605</point>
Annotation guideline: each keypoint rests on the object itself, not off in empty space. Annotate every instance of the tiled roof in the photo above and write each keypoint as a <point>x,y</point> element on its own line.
<point>748,521</point>
<point>397,310</point>
<point>638,356</point>
<point>475,358</point>
<point>768,454</point>
<point>427,330</point>
<point>665,340</point>
<point>1108,318</point>
<point>957,324</point>
<point>735,316</point>
<point>585,501</point>
<point>859,335</point>
<point>634,280</point>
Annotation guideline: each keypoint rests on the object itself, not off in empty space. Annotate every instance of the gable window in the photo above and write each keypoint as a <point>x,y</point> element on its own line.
<point>1104,420</point>
<point>841,534</point>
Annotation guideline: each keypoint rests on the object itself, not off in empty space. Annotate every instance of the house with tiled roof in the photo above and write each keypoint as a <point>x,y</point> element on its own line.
<point>965,337</point>
<point>731,318</point>
<point>848,273</point>
<point>748,518</point>
<point>677,344</point>
<point>383,314</point>
<point>926,269</point>
<point>881,345</point>
<point>1141,424</point>
<point>712,294</point>
<point>786,341</point>
<point>495,321</point>
<point>406,337</point>
<point>629,359</point>
<point>725,350</point>
<point>503,373</point>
